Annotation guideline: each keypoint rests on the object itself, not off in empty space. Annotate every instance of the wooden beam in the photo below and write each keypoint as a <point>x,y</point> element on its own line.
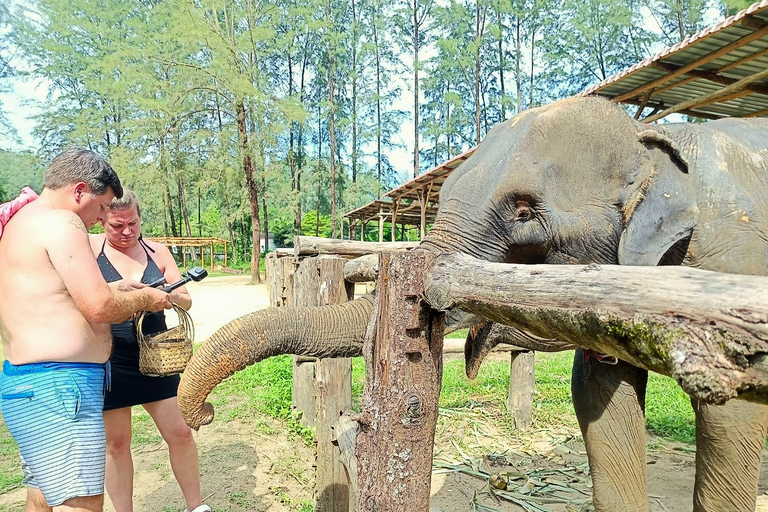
<point>708,330</point>
<point>643,103</point>
<point>659,107</point>
<point>706,99</point>
<point>711,76</point>
<point>693,65</point>
<point>312,245</point>
<point>759,113</point>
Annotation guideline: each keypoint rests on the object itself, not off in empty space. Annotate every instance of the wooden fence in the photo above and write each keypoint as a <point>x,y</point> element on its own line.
<point>313,275</point>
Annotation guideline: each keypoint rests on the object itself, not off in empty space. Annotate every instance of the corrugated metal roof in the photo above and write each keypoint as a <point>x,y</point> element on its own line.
<point>714,65</point>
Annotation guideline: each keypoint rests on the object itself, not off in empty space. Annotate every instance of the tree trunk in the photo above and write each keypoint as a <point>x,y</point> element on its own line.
<point>403,374</point>
<point>708,330</point>
<point>253,193</point>
<point>354,91</point>
<point>518,77</point>
<point>332,128</point>
<point>415,88</point>
<point>378,95</point>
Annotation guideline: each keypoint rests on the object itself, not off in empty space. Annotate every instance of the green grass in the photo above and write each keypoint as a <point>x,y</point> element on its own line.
<point>265,389</point>
<point>10,465</point>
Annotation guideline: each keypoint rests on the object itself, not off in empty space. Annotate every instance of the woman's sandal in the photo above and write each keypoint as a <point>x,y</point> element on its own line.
<point>202,508</point>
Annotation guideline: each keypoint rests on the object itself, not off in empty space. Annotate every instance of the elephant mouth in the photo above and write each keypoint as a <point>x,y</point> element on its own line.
<point>526,255</point>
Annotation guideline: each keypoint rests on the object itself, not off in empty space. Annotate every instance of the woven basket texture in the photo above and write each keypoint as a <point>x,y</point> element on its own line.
<point>166,352</point>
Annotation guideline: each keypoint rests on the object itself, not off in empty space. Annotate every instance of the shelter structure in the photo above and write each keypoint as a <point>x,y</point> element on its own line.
<point>412,204</point>
<point>720,72</point>
<point>202,242</point>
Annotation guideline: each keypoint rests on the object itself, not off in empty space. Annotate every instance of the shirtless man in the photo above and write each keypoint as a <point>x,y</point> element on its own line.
<point>55,311</point>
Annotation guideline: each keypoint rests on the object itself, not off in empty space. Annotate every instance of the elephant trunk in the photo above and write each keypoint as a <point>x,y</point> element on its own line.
<point>484,336</point>
<point>327,331</point>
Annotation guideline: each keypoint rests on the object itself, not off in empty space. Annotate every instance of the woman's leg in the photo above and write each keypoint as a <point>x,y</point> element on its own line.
<point>182,448</point>
<point>119,471</point>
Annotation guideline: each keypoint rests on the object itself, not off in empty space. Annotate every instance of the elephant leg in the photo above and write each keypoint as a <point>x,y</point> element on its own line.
<point>610,405</point>
<point>729,444</point>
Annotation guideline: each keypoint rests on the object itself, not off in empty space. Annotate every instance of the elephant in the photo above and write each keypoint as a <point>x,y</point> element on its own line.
<point>577,181</point>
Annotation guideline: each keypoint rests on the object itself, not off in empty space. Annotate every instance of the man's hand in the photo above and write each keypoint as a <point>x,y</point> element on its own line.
<point>157,300</point>
<point>129,285</point>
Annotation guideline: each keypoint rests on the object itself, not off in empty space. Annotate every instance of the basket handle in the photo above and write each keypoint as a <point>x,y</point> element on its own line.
<point>184,320</point>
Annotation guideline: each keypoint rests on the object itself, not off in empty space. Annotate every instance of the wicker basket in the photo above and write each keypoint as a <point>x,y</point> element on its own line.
<point>166,352</point>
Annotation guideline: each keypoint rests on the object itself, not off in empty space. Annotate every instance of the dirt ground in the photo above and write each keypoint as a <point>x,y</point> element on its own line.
<point>253,463</point>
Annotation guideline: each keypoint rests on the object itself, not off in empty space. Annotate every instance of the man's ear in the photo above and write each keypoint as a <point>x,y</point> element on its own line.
<point>81,188</point>
<point>661,206</point>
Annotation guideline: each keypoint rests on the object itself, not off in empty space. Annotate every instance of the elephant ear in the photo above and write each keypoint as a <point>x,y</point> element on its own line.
<point>661,208</point>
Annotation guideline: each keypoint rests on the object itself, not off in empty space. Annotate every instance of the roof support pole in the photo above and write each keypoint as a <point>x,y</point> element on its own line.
<point>381,224</point>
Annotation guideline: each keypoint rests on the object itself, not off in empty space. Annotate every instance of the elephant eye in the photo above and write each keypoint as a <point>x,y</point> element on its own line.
<point>524,211</point>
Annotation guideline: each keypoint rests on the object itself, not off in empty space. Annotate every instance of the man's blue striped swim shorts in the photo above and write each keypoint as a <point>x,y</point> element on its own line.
<point>54,413</point>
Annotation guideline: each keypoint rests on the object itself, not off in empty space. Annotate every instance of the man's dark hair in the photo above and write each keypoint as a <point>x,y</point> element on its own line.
<point>74,165</point>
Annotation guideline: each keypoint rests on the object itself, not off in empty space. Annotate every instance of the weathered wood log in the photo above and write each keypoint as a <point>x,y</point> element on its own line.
<point>305,287</point>
<point>283,251</point>
<point>708,330</point>
<point>333,382</point>
<point>345,433</point>
<point>403,360</point>
<point>363,269</point>
<point>313,245</point>
<point>521,387</point>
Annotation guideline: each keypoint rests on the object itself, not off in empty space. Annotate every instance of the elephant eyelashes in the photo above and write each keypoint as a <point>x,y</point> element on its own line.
<point>524,211</point>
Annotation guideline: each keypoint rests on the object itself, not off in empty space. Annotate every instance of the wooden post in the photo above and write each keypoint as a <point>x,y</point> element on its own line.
<point>225,254</point>
<point>287,269</point>
<point>306,285</point>
<point>381,224</point>
<point>521,386</point>
<point>271,274</point>
<point>423,199</point>
<point>184,256</point>
<point>333,381</point>
<point>402,385</point>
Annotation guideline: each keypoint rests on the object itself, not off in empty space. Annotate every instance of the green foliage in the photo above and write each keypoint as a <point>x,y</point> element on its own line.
<point>179,95</point>
<point>19,169</point>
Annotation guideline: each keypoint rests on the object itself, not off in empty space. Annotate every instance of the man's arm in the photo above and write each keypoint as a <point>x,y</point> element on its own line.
<point>70,254</point>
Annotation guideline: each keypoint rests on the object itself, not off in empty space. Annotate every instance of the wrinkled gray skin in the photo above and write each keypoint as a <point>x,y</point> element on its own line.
<point>575,182</point>
<point>579,182</point>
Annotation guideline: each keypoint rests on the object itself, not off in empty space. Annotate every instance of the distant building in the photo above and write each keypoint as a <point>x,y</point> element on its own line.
<point>264,246</point>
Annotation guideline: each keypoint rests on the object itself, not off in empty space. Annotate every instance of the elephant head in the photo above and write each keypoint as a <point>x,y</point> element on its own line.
<point>577,181</point>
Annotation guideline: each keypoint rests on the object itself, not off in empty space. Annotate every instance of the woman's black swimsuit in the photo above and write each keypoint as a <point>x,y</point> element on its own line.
<point>129,386</point>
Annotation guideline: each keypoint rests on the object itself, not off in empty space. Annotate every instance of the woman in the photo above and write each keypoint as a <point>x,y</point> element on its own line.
<point>121,253</point>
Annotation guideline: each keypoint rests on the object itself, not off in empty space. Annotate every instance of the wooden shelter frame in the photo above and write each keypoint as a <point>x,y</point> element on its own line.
<point>201,242</point>
<point>412,204</point>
